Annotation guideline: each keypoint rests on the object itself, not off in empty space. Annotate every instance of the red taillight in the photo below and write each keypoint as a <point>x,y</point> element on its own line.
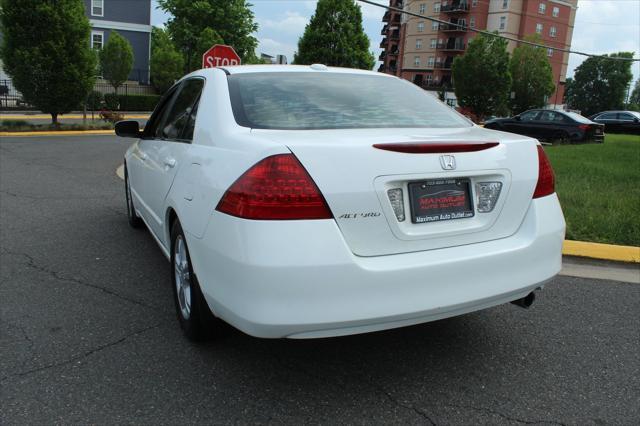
<point>435,147</point>
<point>276,188</point>
<point>546,179</point>
<point>584,127</point>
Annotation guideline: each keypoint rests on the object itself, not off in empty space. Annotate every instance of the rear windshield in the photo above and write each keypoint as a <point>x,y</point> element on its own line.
<point>311,100</point>
<point>579,118</point>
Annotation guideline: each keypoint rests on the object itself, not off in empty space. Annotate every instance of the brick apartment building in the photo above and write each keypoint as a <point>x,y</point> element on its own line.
<point>422,51</point>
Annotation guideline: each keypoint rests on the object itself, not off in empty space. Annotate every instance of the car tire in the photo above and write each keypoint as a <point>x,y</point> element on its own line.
<point>562,138</point>
<point>196,319</point>
<point>132,216</point>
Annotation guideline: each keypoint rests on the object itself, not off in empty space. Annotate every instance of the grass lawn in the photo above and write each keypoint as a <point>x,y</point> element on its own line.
<point>599,189</point>
<point>24,126</point>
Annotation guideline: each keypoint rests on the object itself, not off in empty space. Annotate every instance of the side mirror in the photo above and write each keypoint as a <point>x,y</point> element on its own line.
<point>128,129</point>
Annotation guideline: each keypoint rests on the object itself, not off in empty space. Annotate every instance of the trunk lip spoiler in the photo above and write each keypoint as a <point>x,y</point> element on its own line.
<point>436,147</point>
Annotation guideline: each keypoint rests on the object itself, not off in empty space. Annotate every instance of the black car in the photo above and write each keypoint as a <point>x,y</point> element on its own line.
<point>550,125</point>
<point>619,121</point>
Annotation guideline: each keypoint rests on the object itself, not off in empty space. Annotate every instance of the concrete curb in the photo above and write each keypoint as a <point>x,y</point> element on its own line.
<point>616,253</point>
<point>120,171</point>
<point>600,251</point>
<point>62,117</point>
<point>59,133</point>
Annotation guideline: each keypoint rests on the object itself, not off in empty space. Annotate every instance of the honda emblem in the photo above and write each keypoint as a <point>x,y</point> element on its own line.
<point>448,162</point>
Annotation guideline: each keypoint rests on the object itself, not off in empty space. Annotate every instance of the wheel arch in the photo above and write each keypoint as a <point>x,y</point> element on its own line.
<point>170,218</point>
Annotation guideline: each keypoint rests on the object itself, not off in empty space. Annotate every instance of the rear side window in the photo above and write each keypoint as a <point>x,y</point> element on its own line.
<point>529,115</point>
<point>577,117</point>
<point>178,124</point>
<point>625,116</point>
<point>607,116</point>
<point>316,100</point>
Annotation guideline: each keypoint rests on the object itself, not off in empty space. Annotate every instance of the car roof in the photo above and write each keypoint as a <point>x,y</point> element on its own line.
<point>316,68</point>
<point>617,110</point>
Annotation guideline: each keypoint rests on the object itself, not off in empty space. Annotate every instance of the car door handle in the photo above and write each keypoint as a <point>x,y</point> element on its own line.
<point>169,162</point>
<point>143,156</point>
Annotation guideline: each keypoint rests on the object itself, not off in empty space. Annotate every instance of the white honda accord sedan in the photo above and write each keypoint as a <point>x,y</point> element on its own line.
<point>307,201</point>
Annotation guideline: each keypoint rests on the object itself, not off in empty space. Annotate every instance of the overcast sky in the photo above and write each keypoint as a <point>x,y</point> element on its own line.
<point>602,26</point>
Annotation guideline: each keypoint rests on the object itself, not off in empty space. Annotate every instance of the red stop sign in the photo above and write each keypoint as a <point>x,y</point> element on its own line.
<point>220,55</point>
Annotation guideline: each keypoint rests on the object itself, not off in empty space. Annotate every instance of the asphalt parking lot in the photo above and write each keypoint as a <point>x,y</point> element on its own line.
<point>88,334</point>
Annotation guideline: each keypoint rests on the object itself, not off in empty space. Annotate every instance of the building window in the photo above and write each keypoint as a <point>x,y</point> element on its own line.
<point>416,61</point>
<point>431,61</point>
<point>474,3</point>
<point>97,39</point>
<point>553,31</point>
<point>97,7</point>
<point>423,8</point>
<point>436,7</point>
<point>434,43</point>
<point>429,78</point>
<point>419,43</point>
<point>472,22</point>
<point>539,28</point>
<point>505,4</point>
<point>420,26</point>
<point>434,26</point>
<point>549,52</point>
<point>555,12</point>
<point>542,8</point>
<point>503,22</point>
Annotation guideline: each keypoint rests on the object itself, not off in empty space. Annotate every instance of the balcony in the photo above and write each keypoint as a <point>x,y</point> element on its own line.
<point>443,65</point>
<point>386,16</point>
<point>453,47</point>
<point>454,27</point>
<point>395,35</point>
<point>382,56</point>
<point>457,7</point>
<point>384,30</point>
<point>384,42</point>
<point>381,68</point>
<point>397,3</point>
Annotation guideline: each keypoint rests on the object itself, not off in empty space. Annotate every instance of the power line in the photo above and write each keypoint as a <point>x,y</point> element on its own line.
<point>461,26</point>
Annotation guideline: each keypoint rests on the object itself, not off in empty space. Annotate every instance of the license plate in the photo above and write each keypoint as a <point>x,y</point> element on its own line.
<point>438,200</point>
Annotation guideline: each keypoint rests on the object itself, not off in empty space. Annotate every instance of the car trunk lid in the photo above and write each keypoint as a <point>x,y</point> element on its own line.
<point>355,178</point>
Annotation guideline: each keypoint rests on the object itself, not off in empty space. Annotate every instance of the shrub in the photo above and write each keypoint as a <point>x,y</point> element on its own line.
<point>112,101</point>
<point>94,100</point>
<point>138,102</point>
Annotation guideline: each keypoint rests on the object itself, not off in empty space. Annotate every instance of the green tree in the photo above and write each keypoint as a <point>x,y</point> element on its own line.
<point>335,36</point>
<point>195,26</point>
<point>116,60</point>
<point>481,77</point>
<point>568,87</point>
<point>45,49</point>
<point>167,64</point>
<point>634,99</point>
<point>600,84</point>
<point>532,77</point>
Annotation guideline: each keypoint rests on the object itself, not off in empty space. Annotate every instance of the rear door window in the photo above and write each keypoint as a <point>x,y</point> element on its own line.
<point>178,123</point>
<point>152,127</point>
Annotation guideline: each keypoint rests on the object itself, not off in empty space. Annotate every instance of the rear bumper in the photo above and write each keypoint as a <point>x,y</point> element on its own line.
<point>299,279</point>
